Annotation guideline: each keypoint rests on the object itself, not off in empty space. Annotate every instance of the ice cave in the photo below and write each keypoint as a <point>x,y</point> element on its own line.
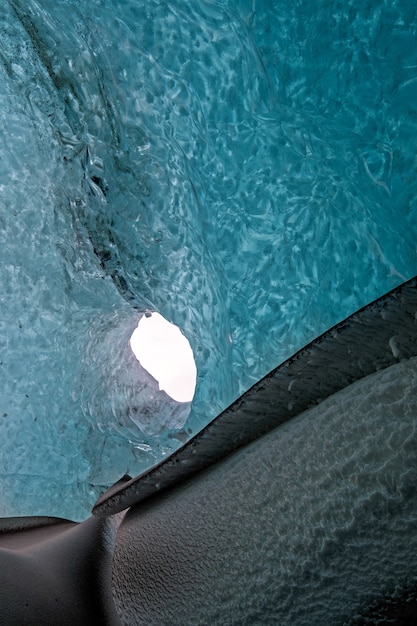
<point>244,172</point>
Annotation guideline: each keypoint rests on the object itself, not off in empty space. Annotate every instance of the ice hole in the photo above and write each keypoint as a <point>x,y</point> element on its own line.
<point>165,353</point>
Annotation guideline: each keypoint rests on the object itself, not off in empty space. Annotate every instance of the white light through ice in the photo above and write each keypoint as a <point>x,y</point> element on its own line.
<point>165,353</point>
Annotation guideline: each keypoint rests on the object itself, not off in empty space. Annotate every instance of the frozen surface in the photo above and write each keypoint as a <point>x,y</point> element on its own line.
<point>308,525</point>
<point>375,337</point>
<point>247,169</point>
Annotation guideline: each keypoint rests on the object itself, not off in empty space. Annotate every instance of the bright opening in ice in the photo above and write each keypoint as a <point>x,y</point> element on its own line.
<point>165,353</point>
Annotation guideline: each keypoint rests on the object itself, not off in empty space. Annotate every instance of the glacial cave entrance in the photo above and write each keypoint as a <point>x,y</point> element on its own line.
<point>166,354</point>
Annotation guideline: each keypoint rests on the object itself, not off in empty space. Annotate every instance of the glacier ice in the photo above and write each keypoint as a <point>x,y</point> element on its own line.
<point>308,525</point>
<point>246,170</point>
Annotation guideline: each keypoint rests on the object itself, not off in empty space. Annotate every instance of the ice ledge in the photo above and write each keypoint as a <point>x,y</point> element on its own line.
<point>375,337</point>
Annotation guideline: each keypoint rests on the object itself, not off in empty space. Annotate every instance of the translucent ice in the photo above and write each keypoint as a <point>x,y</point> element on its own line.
<point>245,169</point>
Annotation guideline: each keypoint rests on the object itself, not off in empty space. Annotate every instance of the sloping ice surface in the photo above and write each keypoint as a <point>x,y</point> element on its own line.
<point>312,524</point>
<point>246,169</point>
<point>376,337</point>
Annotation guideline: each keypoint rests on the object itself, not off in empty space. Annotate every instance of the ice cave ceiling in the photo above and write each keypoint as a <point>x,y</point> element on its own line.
<point>246,169</point>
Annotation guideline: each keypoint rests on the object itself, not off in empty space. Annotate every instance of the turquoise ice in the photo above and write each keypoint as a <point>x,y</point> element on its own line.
<point>247,169</point>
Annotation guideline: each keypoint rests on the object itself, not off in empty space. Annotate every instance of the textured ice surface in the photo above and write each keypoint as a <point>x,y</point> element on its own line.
<point>306,526</point>
<point>357,347</point>
<point>247,169</point>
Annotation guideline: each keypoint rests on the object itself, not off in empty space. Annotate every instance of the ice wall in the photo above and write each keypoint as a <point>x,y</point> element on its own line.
<point>308,525</point>
<point>247,169</point>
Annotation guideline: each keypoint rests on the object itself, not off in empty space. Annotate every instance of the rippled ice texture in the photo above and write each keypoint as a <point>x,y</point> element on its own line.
<point>245,168</point>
